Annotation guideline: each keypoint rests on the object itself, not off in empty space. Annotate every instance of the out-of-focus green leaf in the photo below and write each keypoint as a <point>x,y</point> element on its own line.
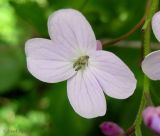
<point>33,15</point>
<point>10,67</point>
<point>22,123</point>
<point>37,117</point>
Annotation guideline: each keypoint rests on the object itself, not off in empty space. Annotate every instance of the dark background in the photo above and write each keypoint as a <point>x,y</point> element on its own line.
<point>29,107</point>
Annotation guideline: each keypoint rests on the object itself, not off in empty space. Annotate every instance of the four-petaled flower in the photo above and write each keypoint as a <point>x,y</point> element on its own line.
<point>72,55</point>
<point>151,63</point>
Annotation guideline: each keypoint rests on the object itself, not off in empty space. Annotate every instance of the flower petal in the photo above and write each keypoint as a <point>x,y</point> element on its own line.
<point>47,62</point>
<point>72,29</point>
<point>148,113</point>
<point>155,125</point>
<point>151,65</point>
<point>113,75</point>
<point>86,95</point>
<point>156,25</point>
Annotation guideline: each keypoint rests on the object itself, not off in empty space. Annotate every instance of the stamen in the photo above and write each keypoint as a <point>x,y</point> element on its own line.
<point>81,63</point>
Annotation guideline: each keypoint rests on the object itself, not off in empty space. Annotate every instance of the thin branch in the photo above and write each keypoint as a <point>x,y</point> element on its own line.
<point>133,44</point>
<point>135,28</point>
<point>130,131</point>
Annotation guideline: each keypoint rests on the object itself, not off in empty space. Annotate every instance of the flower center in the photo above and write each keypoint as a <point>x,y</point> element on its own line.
<point>81,63</point>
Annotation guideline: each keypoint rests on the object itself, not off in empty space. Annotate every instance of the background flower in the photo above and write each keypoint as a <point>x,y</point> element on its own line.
<point>151,117</point>
<point>151,63</point>
<point>111,129</point>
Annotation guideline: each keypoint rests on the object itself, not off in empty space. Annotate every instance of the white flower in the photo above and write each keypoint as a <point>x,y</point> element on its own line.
<point>71,55</point>
<point>151,63</point>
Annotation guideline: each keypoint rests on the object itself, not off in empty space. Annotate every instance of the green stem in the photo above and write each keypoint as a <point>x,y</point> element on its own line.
<point>146,41</point>
<point>142,106</point>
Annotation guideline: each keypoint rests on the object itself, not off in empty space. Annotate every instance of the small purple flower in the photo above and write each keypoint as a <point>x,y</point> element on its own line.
<point>151,117</point>
<point>111,129</point>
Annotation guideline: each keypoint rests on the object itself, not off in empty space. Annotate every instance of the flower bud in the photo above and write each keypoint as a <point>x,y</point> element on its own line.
<point>111,129</point>
<point>151,117</point>
<point>99,45</point>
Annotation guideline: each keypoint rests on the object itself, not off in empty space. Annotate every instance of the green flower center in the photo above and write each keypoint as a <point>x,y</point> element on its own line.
<point>81,63</point>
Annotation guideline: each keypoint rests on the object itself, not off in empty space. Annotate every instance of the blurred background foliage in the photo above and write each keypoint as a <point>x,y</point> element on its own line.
<point>29,107</point>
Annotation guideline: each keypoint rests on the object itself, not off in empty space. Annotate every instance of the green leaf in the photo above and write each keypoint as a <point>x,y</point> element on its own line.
<point>33,14</point>
<point>10,68</point>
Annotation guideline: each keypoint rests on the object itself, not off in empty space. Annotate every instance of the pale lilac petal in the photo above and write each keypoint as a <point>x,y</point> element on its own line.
<point>156,25</point>
<point>47,62</point>
<point>99,45</point>
<point>155,125</point>
<point>148,113</point>
<point>151,65</point>
<point>116,79</point>
<point>86,95</point>
<point>72,29</point>
<point>151,117</point>
<point>158,110</point>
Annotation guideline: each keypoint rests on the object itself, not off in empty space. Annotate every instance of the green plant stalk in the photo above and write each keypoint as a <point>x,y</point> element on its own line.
<point>142,106</point>
<point>146,84</point>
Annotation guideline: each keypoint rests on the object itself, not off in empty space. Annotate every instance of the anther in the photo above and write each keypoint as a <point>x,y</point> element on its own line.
<point>81,63</point>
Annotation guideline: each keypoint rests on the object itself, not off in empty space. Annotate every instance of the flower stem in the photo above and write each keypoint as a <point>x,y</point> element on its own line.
<point>114,41</point>
<point>130,131</point>
<point>150,10</point>
<point>141,107</point>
